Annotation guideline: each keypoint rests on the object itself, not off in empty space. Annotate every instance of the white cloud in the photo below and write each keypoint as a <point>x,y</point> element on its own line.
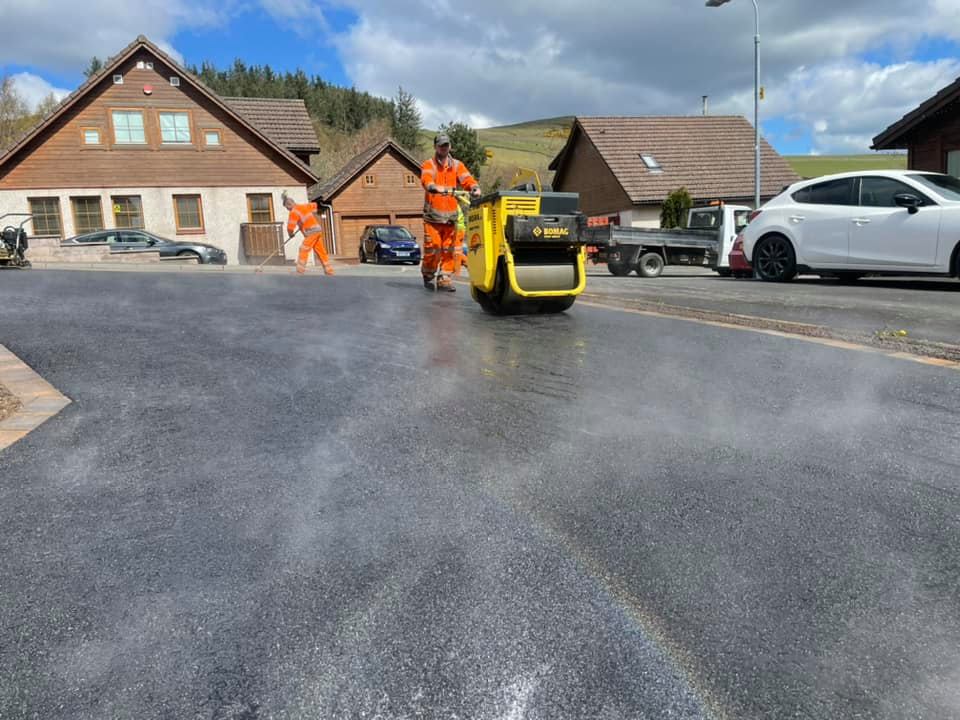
<point>515,60</point>
<point>846,103</point>
<point>33,88</point>
<point>57,35</point>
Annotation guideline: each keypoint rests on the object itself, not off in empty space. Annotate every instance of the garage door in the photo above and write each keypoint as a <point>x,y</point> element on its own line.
<point>413,223</point>
<point>351,228</point>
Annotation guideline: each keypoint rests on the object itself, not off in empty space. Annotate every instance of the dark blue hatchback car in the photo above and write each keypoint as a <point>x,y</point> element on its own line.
<point>389,244</point>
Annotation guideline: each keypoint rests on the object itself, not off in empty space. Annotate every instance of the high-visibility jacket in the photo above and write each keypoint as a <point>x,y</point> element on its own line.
<point>304,216</point>
<point>452,174</point>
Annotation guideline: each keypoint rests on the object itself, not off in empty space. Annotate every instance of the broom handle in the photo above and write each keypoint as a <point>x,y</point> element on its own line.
<point>270,256</point>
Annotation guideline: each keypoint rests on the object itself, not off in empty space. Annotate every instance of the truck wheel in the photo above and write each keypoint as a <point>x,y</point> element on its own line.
<point>650,265</point>
<point>618,269</point>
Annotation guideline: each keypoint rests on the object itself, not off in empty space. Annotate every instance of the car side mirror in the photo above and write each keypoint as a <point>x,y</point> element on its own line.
<point>906,200</point>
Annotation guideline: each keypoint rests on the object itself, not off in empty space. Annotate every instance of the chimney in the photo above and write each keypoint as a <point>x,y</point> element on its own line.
<point>705,97</point>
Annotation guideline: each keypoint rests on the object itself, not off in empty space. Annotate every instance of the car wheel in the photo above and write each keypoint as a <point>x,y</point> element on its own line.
<point>188,254</point>
<point>363,255</point>
<point>650,265</point>
<point>618,269</point>
<point>379,258</point>
<point>774,259</point>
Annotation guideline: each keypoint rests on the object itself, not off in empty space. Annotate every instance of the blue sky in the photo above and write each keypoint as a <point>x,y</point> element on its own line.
<point>836,74</point>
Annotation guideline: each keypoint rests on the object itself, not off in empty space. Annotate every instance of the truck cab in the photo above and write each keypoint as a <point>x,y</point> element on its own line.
<point>730,220</point>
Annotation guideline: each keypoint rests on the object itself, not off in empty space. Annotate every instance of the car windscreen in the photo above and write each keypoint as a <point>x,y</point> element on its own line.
<point>393,234</point>
<point>704,219</point>
<point>944,185</point>
<point>741,218</point>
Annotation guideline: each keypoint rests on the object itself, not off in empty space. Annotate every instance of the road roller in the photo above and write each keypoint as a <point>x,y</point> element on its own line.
<point>526,249</point>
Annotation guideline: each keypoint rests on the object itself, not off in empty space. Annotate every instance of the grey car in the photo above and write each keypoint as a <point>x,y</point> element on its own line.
<point>143,240</point>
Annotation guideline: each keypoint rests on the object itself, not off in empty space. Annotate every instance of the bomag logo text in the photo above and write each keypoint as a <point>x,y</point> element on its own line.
<point>551,232</point>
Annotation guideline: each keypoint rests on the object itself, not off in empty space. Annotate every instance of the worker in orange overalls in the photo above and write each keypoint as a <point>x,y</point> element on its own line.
<point>441,176</point>
<point>305,217</point>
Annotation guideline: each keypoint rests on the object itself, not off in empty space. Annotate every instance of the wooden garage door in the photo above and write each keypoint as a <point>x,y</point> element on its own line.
<point>348,243</point>
<point>413,223</point>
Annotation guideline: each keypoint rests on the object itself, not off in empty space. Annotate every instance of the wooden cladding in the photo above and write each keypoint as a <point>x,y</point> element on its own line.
<point>189,213</point>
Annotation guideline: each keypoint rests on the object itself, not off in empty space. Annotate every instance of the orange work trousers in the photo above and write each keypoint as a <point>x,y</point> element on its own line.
<point>439,245</point>
<point>312,242</point>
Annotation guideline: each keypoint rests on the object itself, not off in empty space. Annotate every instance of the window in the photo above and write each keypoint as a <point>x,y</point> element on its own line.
<point>741,218</point>
<point>880,192</point>
<point>175,127</point>
<point>369,181</point>
<point>651,163</point>
<point>175,81</point>
<point>136,239</point>
<point>87,214</point>
<point>705,219</point>
<point>189,213</point>
<point>46,216</point>
<point>946,185</point>
<point>953,163</point>
<point>141,65</point>
<point>97,237</point>
<point>91,136</point>
<point>127,211</point>
<point>118,79</point>
<point>148,65</point>
<point>211,138</point>
<point>832,192</point>
<point>260,208</point>
<point>128,127</point>
<point>410,180</point>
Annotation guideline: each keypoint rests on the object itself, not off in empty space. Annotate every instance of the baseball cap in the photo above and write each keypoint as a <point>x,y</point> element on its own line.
<point>441,139</point>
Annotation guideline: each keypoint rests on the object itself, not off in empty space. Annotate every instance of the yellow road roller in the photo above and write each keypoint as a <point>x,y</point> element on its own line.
<point>526,249</point>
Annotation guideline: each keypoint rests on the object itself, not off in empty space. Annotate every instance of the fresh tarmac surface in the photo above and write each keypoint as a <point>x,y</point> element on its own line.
<point>928,308</point>
<point>281,497</point>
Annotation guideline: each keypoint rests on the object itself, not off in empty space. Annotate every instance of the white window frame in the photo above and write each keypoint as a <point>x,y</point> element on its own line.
<point>174,81</point>
<point>181,132</point>
<point>118,79</point>
<point>117,128</point>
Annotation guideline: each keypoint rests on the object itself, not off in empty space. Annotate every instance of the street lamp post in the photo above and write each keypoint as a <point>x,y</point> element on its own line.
<point>756,97</point>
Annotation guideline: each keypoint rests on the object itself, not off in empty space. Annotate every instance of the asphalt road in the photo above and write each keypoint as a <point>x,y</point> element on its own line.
<point>927,308</point>
<point>281,497</point>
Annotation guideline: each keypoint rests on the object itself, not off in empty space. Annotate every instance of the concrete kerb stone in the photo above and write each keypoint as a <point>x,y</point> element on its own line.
<point>39,400</point>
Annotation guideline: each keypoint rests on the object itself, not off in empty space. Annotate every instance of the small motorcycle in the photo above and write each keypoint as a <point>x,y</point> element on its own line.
<point>13,242</point>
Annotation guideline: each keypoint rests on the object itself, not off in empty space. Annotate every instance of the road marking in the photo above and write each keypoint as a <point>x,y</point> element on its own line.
<point>827,342</point>
<point>39,400</point>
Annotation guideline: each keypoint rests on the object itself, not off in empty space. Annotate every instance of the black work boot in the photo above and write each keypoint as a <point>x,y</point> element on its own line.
<point>428,283</point>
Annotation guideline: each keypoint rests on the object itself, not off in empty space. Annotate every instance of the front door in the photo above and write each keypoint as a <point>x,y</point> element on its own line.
<point>886,236</point>
<point>820,221</point>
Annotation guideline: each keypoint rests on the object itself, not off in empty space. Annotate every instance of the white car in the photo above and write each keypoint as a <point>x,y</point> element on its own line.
<point>892,222</point>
